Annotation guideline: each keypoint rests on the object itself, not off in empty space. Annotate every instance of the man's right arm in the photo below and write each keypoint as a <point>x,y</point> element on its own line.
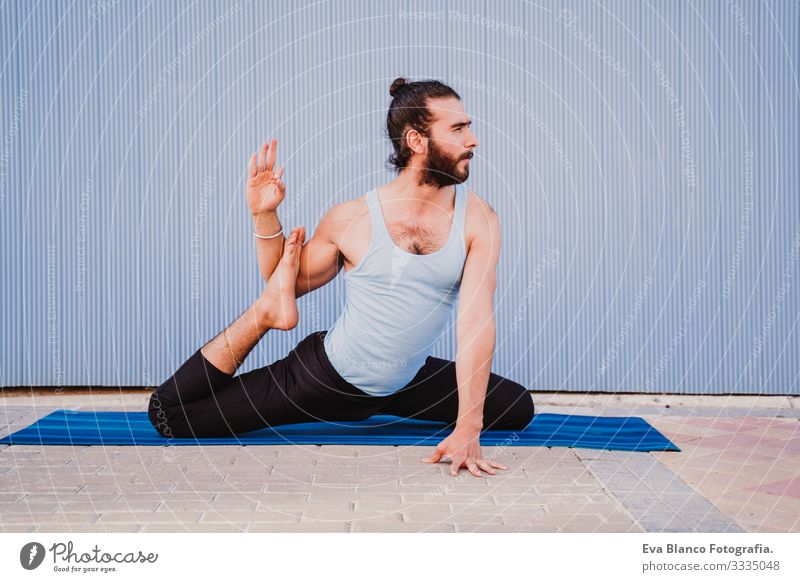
<point>320,259</point>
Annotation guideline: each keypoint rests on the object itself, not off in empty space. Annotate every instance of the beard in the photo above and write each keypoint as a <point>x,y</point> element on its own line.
<point>441,170</point>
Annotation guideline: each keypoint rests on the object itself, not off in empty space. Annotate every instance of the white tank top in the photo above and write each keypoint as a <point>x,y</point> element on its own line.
<point>397,305</point>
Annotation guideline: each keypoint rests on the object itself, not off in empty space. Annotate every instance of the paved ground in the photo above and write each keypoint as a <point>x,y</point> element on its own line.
<point>739,470</point>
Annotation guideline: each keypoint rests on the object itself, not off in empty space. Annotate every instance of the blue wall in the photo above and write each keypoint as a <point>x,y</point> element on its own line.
<point>642,157</point>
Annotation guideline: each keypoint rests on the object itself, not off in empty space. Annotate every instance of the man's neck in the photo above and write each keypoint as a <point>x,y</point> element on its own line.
<point>414,198</point>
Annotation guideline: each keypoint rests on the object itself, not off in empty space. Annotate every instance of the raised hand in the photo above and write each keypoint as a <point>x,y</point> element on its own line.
<point>265,190</point>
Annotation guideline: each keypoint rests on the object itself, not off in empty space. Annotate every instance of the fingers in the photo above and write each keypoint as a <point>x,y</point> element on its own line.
<point>473,466</point>
<point>455,466</point>
<point>438,452</point>
<point>273,146</point>
<point>290,245</point>
<point>277,176</point>
<point>262,157</point>
<point>266,159</point>
<point>433,457</point>
<point>497,465</point>
<point>301,234</point>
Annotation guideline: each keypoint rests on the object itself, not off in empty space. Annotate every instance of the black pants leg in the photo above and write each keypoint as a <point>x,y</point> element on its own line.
<point>433,395</point>
<point>200,400</point>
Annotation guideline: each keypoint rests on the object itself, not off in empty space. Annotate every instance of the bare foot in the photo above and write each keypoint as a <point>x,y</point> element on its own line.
<point>278,299</point>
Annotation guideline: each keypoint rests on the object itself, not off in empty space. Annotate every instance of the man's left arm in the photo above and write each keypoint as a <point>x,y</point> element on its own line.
<point>475,335</point>
<point>476,329</point>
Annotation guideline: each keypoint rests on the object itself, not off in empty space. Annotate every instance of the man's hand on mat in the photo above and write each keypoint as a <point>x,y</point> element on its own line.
<point>265,190</point>
<point>463,446</point>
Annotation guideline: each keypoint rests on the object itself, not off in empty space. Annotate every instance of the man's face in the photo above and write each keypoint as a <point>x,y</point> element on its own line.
<point>450,144</point>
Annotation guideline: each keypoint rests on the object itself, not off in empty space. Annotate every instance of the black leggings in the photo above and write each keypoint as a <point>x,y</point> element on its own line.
<point>200,400</point>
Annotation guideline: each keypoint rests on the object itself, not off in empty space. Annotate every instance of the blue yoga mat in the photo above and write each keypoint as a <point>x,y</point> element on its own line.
<point>71,427</point>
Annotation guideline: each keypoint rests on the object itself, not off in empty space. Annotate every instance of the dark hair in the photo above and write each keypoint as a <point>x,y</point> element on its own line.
<point>409,110</point>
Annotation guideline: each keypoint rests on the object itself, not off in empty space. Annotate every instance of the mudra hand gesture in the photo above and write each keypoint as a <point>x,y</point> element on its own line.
<point>265,190</point>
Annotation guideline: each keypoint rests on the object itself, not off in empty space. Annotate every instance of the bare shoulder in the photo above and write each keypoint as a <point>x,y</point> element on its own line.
<point>481,219</point>
<point>341,217</point>
<point>342,214</point>
<point>348,209</point>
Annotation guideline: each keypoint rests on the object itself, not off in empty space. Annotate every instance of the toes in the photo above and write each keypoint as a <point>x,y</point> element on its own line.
<point>291,243</point>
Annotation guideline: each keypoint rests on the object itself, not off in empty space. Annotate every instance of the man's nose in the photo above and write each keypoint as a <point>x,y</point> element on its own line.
<point>472,141</point>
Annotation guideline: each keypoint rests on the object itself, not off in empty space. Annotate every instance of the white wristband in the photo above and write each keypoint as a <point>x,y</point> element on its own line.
<point>255,234</point>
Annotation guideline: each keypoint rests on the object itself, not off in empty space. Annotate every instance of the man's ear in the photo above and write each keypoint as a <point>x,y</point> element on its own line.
<point>416,141</point>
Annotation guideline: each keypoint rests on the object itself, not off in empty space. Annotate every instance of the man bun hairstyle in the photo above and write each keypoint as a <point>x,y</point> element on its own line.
<point>396,84</point>
<point>409,110</point>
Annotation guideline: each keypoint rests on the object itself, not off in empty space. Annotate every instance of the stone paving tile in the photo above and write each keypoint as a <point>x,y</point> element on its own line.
<point>18,528</point>
<point>21,518</point>
<point>189,516</point>
<point>302,527</point>
<point>192,528</point>
<point>583,523</point>
<point>102,506</point>
<point>497,528</point>
<point>205,487</point>
<point>474,521</point>
<point>323,496</point>
<point>426,512</point>
<point>32,508</point>
<point>32,489</point>
<point>782,488</point>
<point>337,503</point>
<point>173,506</point>
<point>401,527</point>
<point>265,516</point>
<point>349,515</point>
<point>286,478</point>
<point>91,528</point>
<point>200,498</point>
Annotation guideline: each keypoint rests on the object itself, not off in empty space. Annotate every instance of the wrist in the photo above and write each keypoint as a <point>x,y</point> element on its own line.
<point>469,424</point>
<point>266,218</point>
<point>266,224</point>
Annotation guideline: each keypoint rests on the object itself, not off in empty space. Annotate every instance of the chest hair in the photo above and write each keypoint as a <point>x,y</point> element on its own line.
<point>418,240</point>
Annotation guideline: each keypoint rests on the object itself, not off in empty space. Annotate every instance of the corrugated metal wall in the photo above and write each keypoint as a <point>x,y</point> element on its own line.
<point>642,157</point>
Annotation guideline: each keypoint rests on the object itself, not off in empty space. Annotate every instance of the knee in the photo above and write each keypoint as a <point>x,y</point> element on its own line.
<point>521,414</point>
<point>526,410</point>
<point>160,411</point>
<point>516,414</point>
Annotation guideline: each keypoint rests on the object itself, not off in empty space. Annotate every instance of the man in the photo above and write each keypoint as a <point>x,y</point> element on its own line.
<point>410,250</point>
